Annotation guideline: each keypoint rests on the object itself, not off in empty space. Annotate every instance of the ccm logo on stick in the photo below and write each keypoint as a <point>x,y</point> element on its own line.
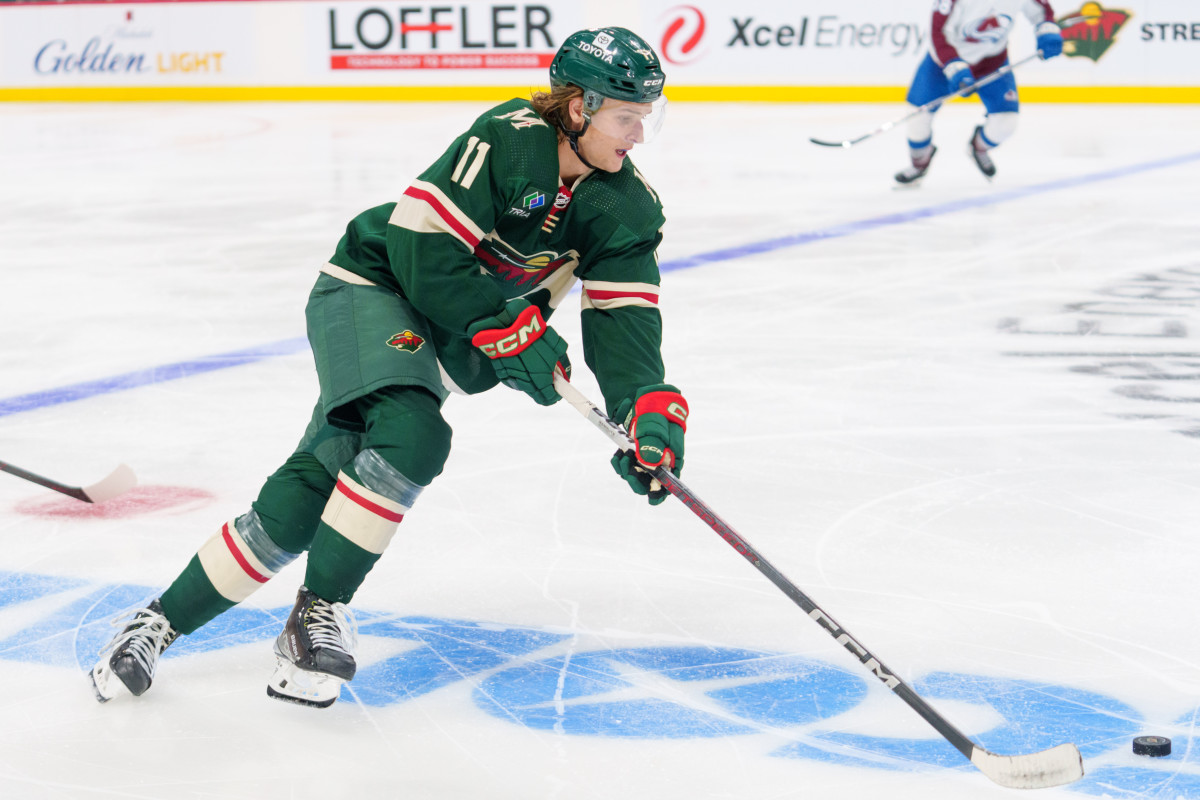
<point>860,652</point>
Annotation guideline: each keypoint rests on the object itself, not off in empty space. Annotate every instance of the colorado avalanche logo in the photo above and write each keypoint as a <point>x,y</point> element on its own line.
<point>988,30</point>
<point>684,31</point>
<point>406,342</point>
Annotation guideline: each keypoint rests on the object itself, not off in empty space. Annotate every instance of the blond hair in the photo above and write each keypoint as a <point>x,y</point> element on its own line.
<point>552,106</point>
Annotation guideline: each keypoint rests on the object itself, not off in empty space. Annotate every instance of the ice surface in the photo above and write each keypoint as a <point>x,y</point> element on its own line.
<point>963,418</point>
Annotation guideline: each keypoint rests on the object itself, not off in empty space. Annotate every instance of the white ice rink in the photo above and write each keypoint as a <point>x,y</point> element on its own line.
<point>965,418</point>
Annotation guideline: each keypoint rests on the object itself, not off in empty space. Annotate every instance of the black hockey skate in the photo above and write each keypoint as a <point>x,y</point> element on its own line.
<point>979,153</point>
<point>913,174</point>
<point>132,655</point>
<point>314,652</point>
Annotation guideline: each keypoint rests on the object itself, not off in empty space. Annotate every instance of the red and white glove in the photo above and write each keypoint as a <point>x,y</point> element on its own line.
<point>656,418</point>
<point>524,350</point>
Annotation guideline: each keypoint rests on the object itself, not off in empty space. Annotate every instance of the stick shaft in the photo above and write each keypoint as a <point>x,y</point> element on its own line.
<point>72,491</point>
<point>831,626</point>
<point>735,540</point>
<point>1053,767</point>
<point>887,126</point>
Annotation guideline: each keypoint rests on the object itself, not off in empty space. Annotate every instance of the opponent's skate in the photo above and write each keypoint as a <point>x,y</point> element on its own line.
<point>913,174</point>
<point>315,652</point>
<point>132,655</point>
<point>979,153</point>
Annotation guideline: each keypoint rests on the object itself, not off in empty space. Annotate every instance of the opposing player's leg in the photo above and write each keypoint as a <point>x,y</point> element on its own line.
<point>1002,105</point>
<point>236,561</point>
<point>928,84</point>
<point>921,155</point>
<point>406,443</point>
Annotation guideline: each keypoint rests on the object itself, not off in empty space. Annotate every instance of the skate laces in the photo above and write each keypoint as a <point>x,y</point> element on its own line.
<point>331,625</point>
<point>144,638</point>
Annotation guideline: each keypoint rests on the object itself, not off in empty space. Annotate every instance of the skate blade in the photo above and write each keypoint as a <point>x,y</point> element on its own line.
<point>300,701</point>
<point>105,684</point>
<point>294,685</point>
<point>100,696</point>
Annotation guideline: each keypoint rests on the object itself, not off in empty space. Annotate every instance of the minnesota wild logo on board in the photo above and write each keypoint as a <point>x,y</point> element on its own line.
<point>407,342</point>
<point>1090,31</point>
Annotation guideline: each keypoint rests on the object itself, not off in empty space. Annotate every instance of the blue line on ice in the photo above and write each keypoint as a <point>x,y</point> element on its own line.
<point>145,377</point>
<point>899,218</point>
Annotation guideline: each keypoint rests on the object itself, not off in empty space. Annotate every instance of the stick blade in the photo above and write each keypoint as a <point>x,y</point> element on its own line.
<point>118,482</point>
<point>1053,767</point>
<point>824,143</point>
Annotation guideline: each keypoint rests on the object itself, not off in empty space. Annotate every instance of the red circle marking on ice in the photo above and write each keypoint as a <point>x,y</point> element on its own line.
<point>137,501</point>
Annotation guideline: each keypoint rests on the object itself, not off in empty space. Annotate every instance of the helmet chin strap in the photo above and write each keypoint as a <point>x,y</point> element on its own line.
<point>573,140</point>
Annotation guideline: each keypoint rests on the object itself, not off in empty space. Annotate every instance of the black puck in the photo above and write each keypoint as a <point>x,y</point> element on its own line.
<point>1154,746</point>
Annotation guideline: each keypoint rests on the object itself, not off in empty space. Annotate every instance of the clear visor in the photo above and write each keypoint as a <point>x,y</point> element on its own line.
<point>636,123</point>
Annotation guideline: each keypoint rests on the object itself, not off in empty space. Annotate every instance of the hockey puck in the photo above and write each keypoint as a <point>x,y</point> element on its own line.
<point>1153,746</point>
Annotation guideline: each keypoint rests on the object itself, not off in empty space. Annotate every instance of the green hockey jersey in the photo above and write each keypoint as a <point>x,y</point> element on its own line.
<point>490,221</point>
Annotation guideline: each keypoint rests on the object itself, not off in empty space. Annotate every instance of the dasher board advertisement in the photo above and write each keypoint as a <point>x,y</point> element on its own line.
<point>751,50</point>
<point>880,42</point>
<point>437,43</point>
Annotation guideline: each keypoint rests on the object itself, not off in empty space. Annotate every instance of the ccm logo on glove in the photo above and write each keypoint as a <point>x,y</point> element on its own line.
<point>670,405</point>
<point>523,350</point>
<point>513,339</point>
<point>656,418</point>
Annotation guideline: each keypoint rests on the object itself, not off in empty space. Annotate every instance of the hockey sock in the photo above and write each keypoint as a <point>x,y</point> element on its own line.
<point>406,445</point>
<point>921,155</point>
<point>337,566</point>
<point>996,129</point>
<point>228,568</point>
<point>356,527</point>
<point>192,600</point>
<point>920,130</point>
<point>244,554</point>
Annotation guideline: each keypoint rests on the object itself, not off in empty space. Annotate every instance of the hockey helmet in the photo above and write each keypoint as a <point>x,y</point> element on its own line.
<point>612,63</point>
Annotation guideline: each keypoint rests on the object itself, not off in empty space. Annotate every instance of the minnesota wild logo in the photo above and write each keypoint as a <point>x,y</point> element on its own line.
<point>513,267</point>
<point>1090,31</point>
<point>407,342</point>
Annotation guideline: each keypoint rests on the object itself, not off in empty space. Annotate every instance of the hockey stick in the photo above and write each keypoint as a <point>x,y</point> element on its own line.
<point>119,481</point>
<point>887,126</point>
<point>1053,767</point>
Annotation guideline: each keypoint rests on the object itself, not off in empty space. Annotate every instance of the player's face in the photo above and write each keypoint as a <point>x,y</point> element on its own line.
<point>615,128</point>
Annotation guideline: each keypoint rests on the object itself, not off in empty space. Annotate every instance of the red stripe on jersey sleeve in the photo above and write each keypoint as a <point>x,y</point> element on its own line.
<point>444,213</point>
<point>596,294</point>
<point>943,51</point>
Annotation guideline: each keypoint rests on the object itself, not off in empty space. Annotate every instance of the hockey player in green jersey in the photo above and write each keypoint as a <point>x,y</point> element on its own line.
<point>448,289</point>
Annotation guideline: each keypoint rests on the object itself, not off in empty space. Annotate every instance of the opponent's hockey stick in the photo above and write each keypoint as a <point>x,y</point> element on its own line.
<point>119,481</point>
<point>1053,767</point>
<point>887,126</point>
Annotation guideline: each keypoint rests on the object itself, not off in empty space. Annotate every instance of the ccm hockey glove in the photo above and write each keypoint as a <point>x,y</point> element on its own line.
<point>1049,39</point>
<point>524,350</point>
<point>656,418</point>
<point>958,72</point>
